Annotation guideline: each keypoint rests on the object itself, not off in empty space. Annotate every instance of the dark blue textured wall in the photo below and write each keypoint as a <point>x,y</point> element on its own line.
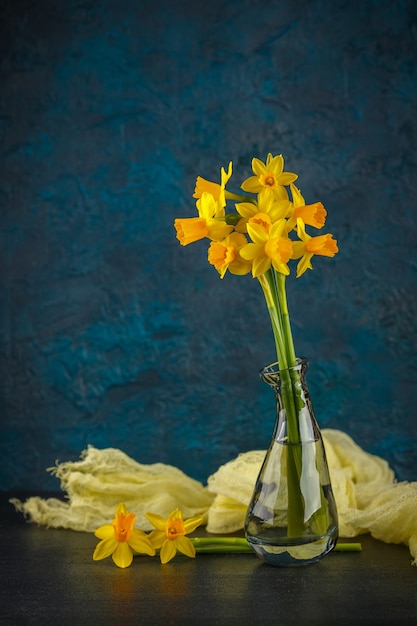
<point>115,335</point>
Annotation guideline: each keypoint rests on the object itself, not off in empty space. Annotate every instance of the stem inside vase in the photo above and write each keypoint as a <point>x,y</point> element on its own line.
<point>292,516</point>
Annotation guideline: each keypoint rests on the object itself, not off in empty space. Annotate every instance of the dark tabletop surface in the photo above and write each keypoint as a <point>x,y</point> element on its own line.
<point>48,577</point>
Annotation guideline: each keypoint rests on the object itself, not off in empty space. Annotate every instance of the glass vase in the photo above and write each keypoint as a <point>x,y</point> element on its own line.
<point>292,516</point>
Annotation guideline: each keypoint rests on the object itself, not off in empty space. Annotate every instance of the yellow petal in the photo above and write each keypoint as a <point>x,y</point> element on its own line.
<point>156,520</point>
<point>258,167</point>
<point>304,264</point>
<point>298,249</point>
<point>261,219</point>
<point>157,538</point>
<point>104,549</point>
<point>241,226</point>
<point>185,546</point>
<point>104,532</point>
<point>276,164</point>
<point>240,267</point>
<point>286,178</point>
<point>279,210</point>
<point>225,176</point>
<point>260,265</point>
<point>207,206</point>
<point>192,523</point>
<point>238,240</point>
<point>278,229</point>
<point>251,184</point>
<point>123,555</point>
<point>203,185</point>
<point>282,268</point>
<point>168,550</point>
<point>218,230</point>
<point>246,209</point>
<point>279,193</point>
<point>279,249</point>
<point>140,542</point>
<point>257,232</point>
<point>297,198</point>
<point>301,231</point>
<point>251,250</point>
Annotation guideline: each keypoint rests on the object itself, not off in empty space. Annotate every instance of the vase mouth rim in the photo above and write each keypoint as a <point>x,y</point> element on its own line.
<point>273,368</point>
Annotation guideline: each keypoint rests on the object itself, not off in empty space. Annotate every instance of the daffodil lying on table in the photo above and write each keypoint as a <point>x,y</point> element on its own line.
<point>170,533</point>
<point>121,540</point>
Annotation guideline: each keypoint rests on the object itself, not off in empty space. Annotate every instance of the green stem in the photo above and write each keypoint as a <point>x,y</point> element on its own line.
<point>286,326</point>
<point>290,387</point>
<point>228,541</point>
<point>234,196</point>
<point>220,544</point>
<point>291,395</point>
<point>224,545</point>
<point>268,287</point>
<point>348,547</point>
<point>214,549</point>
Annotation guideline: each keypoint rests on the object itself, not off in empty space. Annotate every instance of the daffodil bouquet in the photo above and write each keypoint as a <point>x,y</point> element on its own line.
<point>265,232</point>
<point>261,236</point>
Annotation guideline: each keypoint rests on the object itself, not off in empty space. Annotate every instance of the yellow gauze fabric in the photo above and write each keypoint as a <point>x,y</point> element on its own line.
<point>102,478</point>
<point>367,495</point>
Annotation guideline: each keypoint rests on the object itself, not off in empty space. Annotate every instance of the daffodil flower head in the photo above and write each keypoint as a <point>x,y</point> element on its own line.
<point>307,247</point>
<point>275,209</point>
<point>269,177</point>
<point>215,189</point>
<point>209,223</point>
<point>208,207</point>
<point>224,255</point>
<point>268,247</point>
<point>311,214</point>
<point>261,219</point>
<point>119,539</point>
<point>169,535</point>
<point>190,229</point>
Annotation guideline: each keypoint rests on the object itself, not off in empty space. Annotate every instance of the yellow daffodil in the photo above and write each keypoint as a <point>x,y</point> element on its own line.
<point>209,208</point>
<point>120,539</point>
<point>261,219</point>
<point>269,177</point>
<point>209,223</point>
<point>190,229</point>
<point>224,255</point>
<point>311,214</point>
<point>216,190</point>
<point>170,533</point>
<point>276,209</point>
<point>323,245</point>
<point>269,247</point>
